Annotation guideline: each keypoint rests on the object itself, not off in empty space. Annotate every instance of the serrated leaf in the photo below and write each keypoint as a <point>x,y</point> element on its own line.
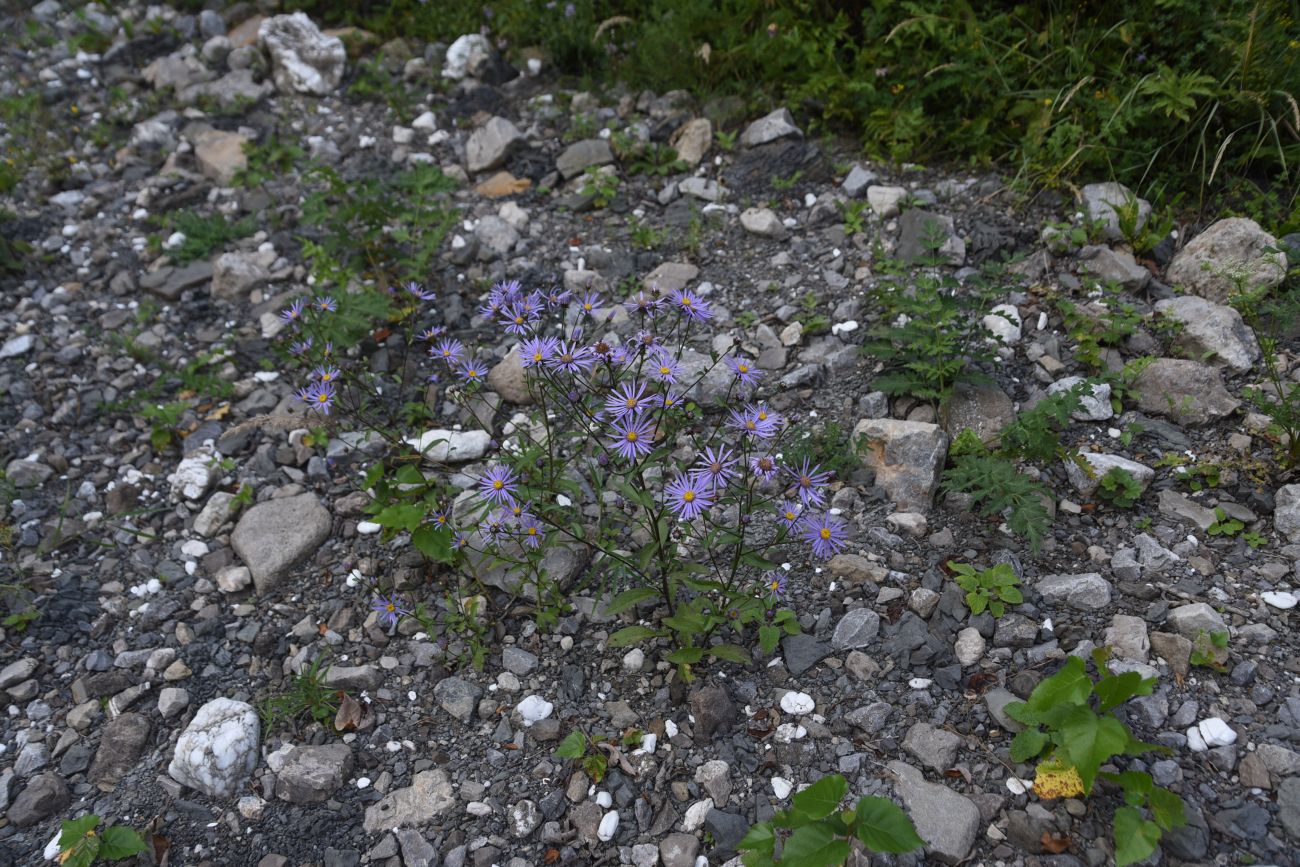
<point>118,842</point>
<point>1167,809</point>
<point>768,638</point>
<point>729,653</point>
<point>574,746</point>
<point>628,598</point>
<point>1090,740</point>
<point>977,602</point>
<point>1011,595</point>
<point>1116,689</point>
<point>433,542</point>
<point>408,474</point>
<point>821,798</point>
<point>884,827</point>
<point>814,846</point>
<point>1022,712</point>
<point>75,829</point>
<point>1027,744</point>
<point>761,838</point>
<point>1070,685</point>
<point>630,635</point>
<point>1135,837</point>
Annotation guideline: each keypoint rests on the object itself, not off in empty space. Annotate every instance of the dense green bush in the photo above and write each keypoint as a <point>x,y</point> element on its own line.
<point>1168,96</point>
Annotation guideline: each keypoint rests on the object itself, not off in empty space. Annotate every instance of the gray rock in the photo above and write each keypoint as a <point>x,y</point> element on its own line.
<point>496,237</point>
<point>705,189</point>
<point>983,408</point>
<point>168,283</point>
<point>216,512</point>
<point>918,233</point>
<point>857,628</point>
<point>467,56</point>
<point>715,777</point>
<point>562,562</point>
<point>777,125</point>
<point>1209,329</point>
<point>518,661</point>
<point>582,155</point>
<point>1127,637</point>
<point>947,821</point>
<point>1087,480</point>
<point>906,456</point>
<point>1279,760</point>
<point>886,202</point>
<point>31,758</point>
<point>1288,806</point>
<point>120,747</point>
<point>934,748</point>
<point>803,651</point>
<point>1189,392</point>
<point>1087,591</point>
<point>524,819</point>
<point>996,700</point>
<point>969,647</point>
<point>857,180</point>
<point>670,277</point>
<point>490,145</point>
<point>727,829</point>
<point>1113,266</point>
<point>679,850</point>
<point>312,774</point>
<point>303,60</point>
<point>1181,507</point>
<point>1095,405</point>
<point>234,275</point>
<point>714,712</point>
<point>274,534</point>
<point>429,795</point>
<point>416,851</point>
<point>220,155</point>
<point>763,222</point>
<point>457,697</point>
<point>172,700</point>
<point>870,718</point>
<point>1235,245</point>
<point>507,379</point>
<point>44,796</point>
<point>17,671</point>
<point>692,140</point>
<point>218,749</point>
<point>1190,620</point>
<point>235,88</point>
<point>1286,511</point>
<point>1099,202</point>
<point>211,24</point>
<point>451,446</point>
<point>16,346</point>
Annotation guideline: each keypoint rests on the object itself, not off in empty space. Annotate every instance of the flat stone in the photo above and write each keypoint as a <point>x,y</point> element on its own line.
<point>1188,392</point>
<point>451,446</point>
<point>1094,405</point>
<point>234,275</point>
<point>983,408</point>
<point>17,671</point>
<point>429,795</point>
<point>220,155</point>
<point>1127,637</point>
<point>582,155</point>
<point>490,145</point>
<point>353,677</point>
<point>457,697</point>
<point>275,534</point>
<point>1286,511</point>
<point>763,222</point>
<point>312,774</point>
<point>946,820</point>
<point>218,749</point>
<point>1190,620</point>
<point>16,346</point>
<point>886,201</point>
<point>1109,265</point>
<point>934,748</point>
<point>120,747</point>
<point>670,277</point>
<point>857,180</point>
<point>1211,330</point>
<point>1234,245</point>
<point>1086,481</point>
<point>44,796</point>
<point>234,89</point>
<point>1172,504</point>
<point>1087,591</point>
<point>776,125</point>
<point>906,456</point>
<point>996,700</point>
<point>857,628</point>
<point>216,512</point>
<point>803,651</point>
<point>1099,202</point>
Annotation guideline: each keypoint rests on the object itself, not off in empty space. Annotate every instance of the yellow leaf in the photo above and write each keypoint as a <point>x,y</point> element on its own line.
<point>1052,780</point>
<point>219,413</point>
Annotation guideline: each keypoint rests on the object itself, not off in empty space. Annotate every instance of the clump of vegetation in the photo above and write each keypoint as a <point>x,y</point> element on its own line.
<point>268,160</point>
<point>1279,397</point>
<point>307,696</point>
<point>205,234</point>
<point>1119,488</point>
<point>81,844</point>
<point>1210,649</point>
<point>595,753</point>
<point>989,589</point>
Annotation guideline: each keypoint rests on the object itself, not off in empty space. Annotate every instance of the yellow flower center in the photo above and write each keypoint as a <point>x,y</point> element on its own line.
<point>631,403</point>
<point>686,302</point>
<point>497,484</point>
<point>631,436</point>
<point>825,532</point>
<point>688,497</point>
<point>789,516</point>
<point>391,608</point>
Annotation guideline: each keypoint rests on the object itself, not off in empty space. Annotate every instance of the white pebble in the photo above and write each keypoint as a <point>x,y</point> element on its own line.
<point>1280,600</point>
<point>605,799</point>
<point>608,826</point>
<point>782,787</point>
<point>920,683</point>
<point>363,782</point>
<point>797,703</point>
<point>1216,732</point>
<point>368,528</point>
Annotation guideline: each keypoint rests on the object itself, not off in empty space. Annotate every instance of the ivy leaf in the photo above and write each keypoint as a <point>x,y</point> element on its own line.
<point>1089,740</point>
<point>814,846</point>
<point>821,798</point>
<point>1113,691</point>
<point>1135,837</point>
<point>1027,744</point>
<point>1166,808</point>
<point>75,829</point>
<point>120,842</point>
<point>884,827</point>
<point>1070,685</point>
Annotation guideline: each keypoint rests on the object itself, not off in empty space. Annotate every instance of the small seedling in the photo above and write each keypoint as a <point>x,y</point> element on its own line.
<point>80,845</point>
<point>602,186</point>
<point>988,589</point>
<point>1119,488</point>
<point>1254,540</point>
<point>1224,524</point>
<point>595,753</point>
<point>1210,649</point>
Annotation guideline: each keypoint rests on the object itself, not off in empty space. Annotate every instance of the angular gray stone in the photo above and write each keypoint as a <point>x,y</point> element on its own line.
<point>705,189</point>
<point>1087,591</point>
<point>496,237</point>
<point>1127,637</point>
<point>886,201</point>
<point>996,700</point>
<point>763,222</point>
<point>44,796</point>
<point>457,697</point>
<point>1094,405</point>
<point>1190,620</point>
<point>714,713</point>
<point>1188,392</point>
<point>934,748</point>
<point>1286,511</point>
<point>233,89</point>
<point>490,145</point>
<point>948,822</point>
<point>906,456</point>
<point>857,180</point>
<point>1209,329</point>
<point>16,346</point>
<point>1288,806</point>
<point>303,60</point>
<point>562,562</point>
<point>857,628</point>
<point>274,534</point>
<point>582,155</point>
<point>679,850</point>
<point>1113,266</point>
<point>1236,245</point>
<point>917,232</point>
<point>776,125</point>
<point>692,140</point>
<point>670,277</point>
<point>17,671</point>
<point>416,851</point>
<point>1099,202</point>
<point>507,379</point>
<point>352,677</point>
<point>982,408</point>
<point>311,774</point>
<point>1181,507</point>
<point>218,749</point>
<point>429,795</point>
<point>120,747</point>
<point>1086,481</point>
<point>220,155</point>
<point>969,647</point>
<point>234,275</point>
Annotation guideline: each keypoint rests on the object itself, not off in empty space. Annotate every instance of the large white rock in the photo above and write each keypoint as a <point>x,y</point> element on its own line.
<point>1211,330</point>
<point>303,59</point>
<point>467,53</point>
<point>451,446</point>
<point>489,145</point>
<point>194,475</point>
<point>1100,201</point>
<point>1235,245</point>
<point>1087,479</point>
<point>218,749</point>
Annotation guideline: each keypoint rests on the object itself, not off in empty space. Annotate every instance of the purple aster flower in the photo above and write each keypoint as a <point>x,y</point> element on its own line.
<point>744,370</point>
<point>665,368</point>
<point>473,370</point>
<point>518,511</point>
<point>768,420</point>
<point>429,335</point>
<point>630,397</point>
<point>389,609</point>
<point>645,341</point>
<point>531,532</point>
<point>302,347</point>
<point>460,540</point>
<point>590,304</point>
<point>807,479</point>
<point>419,292</point>
<point>572,358</point>
<point>634,436</point>
<point>557,296</point>
<point>688,497</point>
<point>763,466</point>
<point>516,320</point>
<point>774,583</point>
<point>450,351</point>
<point>493,527</point>
<point>716,468</point>
<point>789,512</point>
<point>671,400</point>
<point>643,303</point>
<point>293,313</point>
<point>498,485</point>
<point>826,533</point>
<point>326,373</point>
<point>745,422</point>
<point>442,518</point>
<point>326,304</point>
<point>508,290</point>
<point>690,305</point>
<point>318,396</point>
<point>537,350</point>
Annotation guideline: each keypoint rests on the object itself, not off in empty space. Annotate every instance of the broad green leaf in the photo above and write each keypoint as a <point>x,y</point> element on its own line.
<point>977,602</point>
<point>961,568</point>
<point>755,561</point>
<point>409,475</point>
<point>83,854</point>
<point>120,842</point>
<point>757,859</point>
<point>729,653</point>
<point>685,621</point>
<point>1027,744</point>
<point>1070,685</point>
<point>433,542</point>
<point>573,746</point>
<point>400,517</point>
<point>686,655</point>
<point>75,829</point>
<point>768,637</point>
<point>1135,837</point>
<point>1022,712</point>
<point>1136,785</point>
<point>1113,691</point>
<point>629,598</point>
<point>630,635</point>
<point>821,798</point>
<point>884,827</point>
<point>1011,595</point>
<point>1166,809</point>
<point>1090,740</point>
<point>761,837</point>
<point>814,846</point>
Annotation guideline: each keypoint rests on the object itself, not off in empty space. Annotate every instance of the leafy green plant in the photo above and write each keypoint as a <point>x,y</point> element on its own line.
<point>1210,649</point>
<point>656,160</point>
<point>242,500</point>
<point>1100,325</point>
<point>997,487</point>
<point>1279,398</point>
<point>307,696</point>
<point>854,213</point>
<point>1224,524</point>
<point>725,140</point>
<point>204,234</point>
<point>12,250</point>
<point>595,752</point>
<point>81,845</point>
<point>989,589</point>
<point>600,185</point>
<point>822,833</point>
<point>373,81</point>
<point>1143,237</point>
<point>787,182</point>
<point>1253,539</point>
<point>646,236</point>
<point>1118,487</point>
<point>1072,731</point>
<point>267,160</point>
<point>813,322</point>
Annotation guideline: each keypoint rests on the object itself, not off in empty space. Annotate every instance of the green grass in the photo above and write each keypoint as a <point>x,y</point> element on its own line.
<point>204,234</point>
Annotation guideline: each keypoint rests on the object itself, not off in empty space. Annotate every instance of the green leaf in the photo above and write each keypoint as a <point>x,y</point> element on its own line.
<point>1136,785</point>
<point>1021,712</point>
<point>400,516</point>
<point>1090,740</point>
<point>729,653</point>
<point>120,842</point>
<point>685,621</point>
<point>1135,838</point>
<point>1027,744</point>
<point>821,798</point>
<point>629,598</point>
<point>977,602</point>
<point>761,838</point>
<point>1113,691</point>
<point>1011,594</point>
<point>433,542</point>
<point>84,853</point>
<point>884,827</point>
<point>814,846</point>
<point>686,655</point>
<point>1070,685</point>
<point>75,829</point>
<point>768,637</point>
<point>630,635</point>
<point>409,474</point>
<point>574,746</point>
<point>1166,809</point>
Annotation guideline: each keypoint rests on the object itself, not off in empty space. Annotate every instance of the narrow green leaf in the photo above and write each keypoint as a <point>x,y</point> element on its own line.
<point>1135,837</point>
<point>630,635</point>
<point>884,827</point>
<point>686,655</point>
<point>821,798</point>
<point>729,653</point>
<point>629,598</point>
